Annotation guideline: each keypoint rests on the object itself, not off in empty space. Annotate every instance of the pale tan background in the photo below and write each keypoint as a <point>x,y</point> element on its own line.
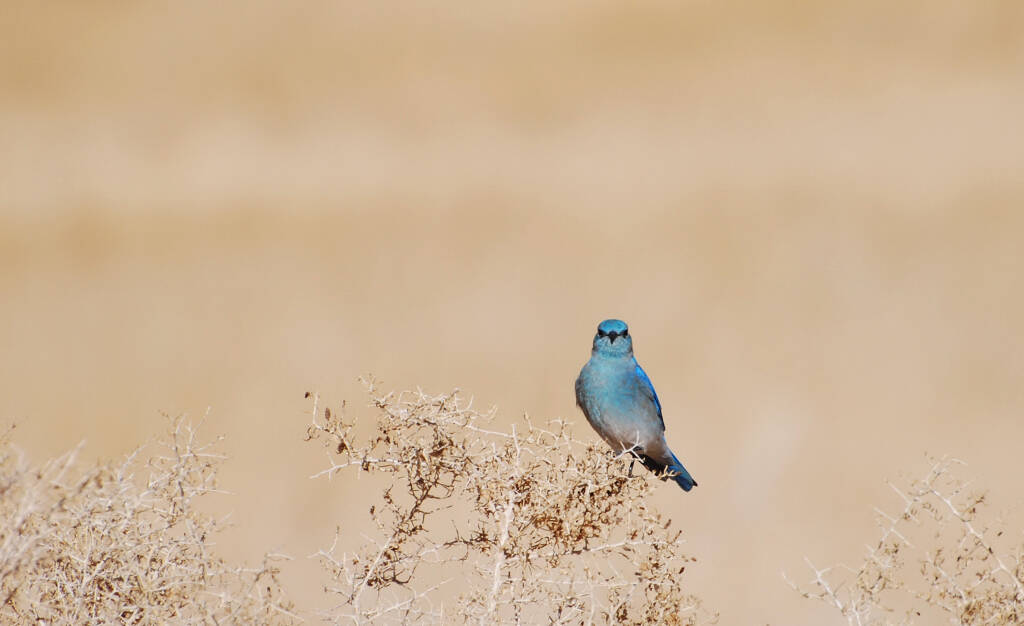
<point>810,214</point>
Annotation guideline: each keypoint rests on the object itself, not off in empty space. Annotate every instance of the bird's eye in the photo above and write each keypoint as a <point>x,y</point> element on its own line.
<point>625,333</point>
<point>600,333</point>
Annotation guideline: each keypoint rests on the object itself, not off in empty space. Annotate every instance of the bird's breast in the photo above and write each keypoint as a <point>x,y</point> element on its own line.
<point>610,396</point>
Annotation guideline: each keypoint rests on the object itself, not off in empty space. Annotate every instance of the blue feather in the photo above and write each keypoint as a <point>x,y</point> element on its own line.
<point>649,386</point>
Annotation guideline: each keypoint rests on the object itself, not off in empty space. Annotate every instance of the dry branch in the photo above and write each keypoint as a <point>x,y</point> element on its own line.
<point>482,525</point>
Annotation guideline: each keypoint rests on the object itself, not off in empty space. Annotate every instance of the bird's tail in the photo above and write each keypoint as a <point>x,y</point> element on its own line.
<point>673,469</point>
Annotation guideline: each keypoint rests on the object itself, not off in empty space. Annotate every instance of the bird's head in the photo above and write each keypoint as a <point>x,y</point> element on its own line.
<point>612,339</point>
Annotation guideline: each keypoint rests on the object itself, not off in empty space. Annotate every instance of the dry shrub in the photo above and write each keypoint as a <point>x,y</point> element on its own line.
<point>477,524</point>
<point>937,557</point>
<point>124,542</point>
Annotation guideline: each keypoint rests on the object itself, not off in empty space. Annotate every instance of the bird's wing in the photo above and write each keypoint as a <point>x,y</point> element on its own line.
<point>648,389</point>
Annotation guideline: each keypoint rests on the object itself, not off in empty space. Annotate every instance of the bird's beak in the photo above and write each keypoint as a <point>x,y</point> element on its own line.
<point>612,336</point>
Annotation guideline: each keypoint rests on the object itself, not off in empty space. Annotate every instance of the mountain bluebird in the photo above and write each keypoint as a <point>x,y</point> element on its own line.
<point>620,403</point>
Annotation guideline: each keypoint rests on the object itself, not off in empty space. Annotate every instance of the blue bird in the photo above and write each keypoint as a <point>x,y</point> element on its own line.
<point>620,403</point>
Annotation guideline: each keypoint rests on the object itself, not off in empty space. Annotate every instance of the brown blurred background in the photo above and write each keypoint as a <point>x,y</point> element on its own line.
<point>810,213</point>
